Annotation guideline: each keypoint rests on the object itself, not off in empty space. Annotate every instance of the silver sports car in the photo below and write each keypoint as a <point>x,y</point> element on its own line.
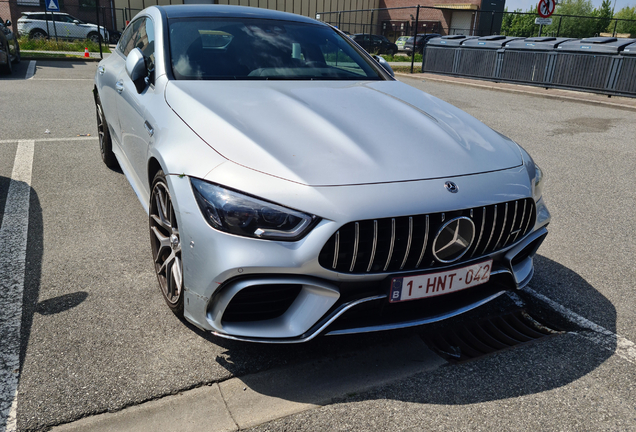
<point>281,205</point>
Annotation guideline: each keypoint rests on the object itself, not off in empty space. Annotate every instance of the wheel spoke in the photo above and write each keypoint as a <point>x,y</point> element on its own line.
<point>100,125</point>
<point>160,217</point>
<point>167,262</point>
<point>169,285</point>
<point>164,243</point>
<point>160,222</point>
<point>177,277</point>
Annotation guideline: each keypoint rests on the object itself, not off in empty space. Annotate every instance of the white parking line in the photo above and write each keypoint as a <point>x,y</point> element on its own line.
<point>13,238</point>
<point>84,138</point>
<point>30,70</point>
<point>608,340</point>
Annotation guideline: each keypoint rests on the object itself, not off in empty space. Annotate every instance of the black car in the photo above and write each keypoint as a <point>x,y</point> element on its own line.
<point>375,44</point>
<point>9,48</point>
<point>422,39</point>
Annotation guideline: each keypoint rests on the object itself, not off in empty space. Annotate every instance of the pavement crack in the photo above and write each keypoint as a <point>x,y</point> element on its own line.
<point>227,406</point>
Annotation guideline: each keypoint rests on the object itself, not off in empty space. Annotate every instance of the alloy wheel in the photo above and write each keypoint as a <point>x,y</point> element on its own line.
<point>166,244</point>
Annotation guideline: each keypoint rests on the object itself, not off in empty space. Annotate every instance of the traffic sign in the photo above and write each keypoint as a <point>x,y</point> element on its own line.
<point>543,21</point>
<point>52,5</point>
<point>545,8</point>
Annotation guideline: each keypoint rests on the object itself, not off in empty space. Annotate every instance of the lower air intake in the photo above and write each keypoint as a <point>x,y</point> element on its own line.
<point>261,302</point>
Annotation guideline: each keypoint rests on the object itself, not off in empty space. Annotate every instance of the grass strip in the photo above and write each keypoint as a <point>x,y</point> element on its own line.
<point>402,58</point>
<point>37,55</point>
<point>26,43</point>
<point>417,68</point>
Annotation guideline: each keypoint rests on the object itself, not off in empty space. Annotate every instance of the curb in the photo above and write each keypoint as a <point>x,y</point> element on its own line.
<point>251,400</point>
<point>74,59</point>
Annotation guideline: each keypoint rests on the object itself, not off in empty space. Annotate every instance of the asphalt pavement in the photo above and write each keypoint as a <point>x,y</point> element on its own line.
<point>97,349</point>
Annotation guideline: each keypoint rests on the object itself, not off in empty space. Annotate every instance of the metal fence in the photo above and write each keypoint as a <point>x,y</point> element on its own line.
<point>464,19</point>
<point>603,65</point>
<point>76,20</point>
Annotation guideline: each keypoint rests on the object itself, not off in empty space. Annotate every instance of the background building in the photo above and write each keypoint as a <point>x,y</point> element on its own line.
<point>469,17</point>
<point>391,18</point>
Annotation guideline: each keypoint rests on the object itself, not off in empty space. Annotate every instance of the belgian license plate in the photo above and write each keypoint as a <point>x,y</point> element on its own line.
<point>434,284</point>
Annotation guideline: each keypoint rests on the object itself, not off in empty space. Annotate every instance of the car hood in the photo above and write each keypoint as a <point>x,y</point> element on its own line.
<point>329,133</point>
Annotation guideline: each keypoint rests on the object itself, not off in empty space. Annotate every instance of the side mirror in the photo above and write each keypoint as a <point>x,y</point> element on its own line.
<point>136,69</point>
<point>76,22</point>
<point>8,23</point>
<point>385,64</point>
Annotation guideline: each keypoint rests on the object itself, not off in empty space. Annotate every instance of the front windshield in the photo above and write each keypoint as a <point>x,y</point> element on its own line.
<point>252,49</point>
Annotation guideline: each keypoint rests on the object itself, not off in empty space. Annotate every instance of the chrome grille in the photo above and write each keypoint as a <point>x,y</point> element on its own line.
<point>404,243</point>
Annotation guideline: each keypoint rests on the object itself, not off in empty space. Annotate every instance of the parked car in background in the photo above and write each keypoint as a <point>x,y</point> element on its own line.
<point>41,25</point>
<point>400,42</point>
<point>375,44</point>
<point>113,36</point>
<point>262,146</point>
<point>9,47</point>
<point>422,39</point>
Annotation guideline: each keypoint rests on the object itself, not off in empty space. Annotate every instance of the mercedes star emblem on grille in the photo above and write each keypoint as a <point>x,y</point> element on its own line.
<point>451,187</point>
<point>454,239</point>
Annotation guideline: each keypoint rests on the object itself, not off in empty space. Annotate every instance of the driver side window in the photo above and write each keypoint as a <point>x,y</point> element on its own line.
<point>126,42</point>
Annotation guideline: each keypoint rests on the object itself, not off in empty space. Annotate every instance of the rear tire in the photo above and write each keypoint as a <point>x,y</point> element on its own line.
<point>105,143</point>
<point>37,34</point>
<point>94,37</point>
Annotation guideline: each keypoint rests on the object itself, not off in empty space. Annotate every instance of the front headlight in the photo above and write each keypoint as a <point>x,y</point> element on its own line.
<point>537,183</point>
<point>235,213</point>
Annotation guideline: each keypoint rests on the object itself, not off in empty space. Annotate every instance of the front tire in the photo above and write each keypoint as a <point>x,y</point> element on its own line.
<point>7,68</point>
<point>105,143</point>
<point>165,243</point>
<point>16,55</point>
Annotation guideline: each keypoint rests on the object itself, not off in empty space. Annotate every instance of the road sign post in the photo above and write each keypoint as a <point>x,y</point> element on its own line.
<point>52,6</point>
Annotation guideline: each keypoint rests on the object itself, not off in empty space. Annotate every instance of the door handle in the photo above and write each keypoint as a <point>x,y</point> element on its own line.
<point>119,85</point>
<point>149,128</point>
<point>101,70</point>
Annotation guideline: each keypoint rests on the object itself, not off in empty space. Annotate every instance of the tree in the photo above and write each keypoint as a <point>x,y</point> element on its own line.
<point>604,15</point>
<point>572,26</point>
<point>518,24</point>
<point>626,13</point>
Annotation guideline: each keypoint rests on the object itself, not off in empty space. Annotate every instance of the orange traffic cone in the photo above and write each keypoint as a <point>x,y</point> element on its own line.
<point>86,54</point>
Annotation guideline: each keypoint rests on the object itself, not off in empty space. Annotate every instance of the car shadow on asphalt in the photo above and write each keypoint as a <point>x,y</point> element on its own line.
<point>33,270</point>
<point>20,69</point>
<point>18,73</point>
<point>534,367</point>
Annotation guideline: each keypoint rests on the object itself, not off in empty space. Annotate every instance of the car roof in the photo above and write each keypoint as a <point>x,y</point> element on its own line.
<point>41,12</point>
<point>215,10</point>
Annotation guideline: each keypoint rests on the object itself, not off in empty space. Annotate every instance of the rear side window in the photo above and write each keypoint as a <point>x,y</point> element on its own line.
<point>36,17</point>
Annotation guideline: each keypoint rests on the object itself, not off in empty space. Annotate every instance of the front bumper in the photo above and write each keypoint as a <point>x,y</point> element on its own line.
<point>323,307</point>
<point>226,275</point>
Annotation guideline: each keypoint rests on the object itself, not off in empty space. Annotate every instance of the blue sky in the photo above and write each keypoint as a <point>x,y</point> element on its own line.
<point>525,4</point>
